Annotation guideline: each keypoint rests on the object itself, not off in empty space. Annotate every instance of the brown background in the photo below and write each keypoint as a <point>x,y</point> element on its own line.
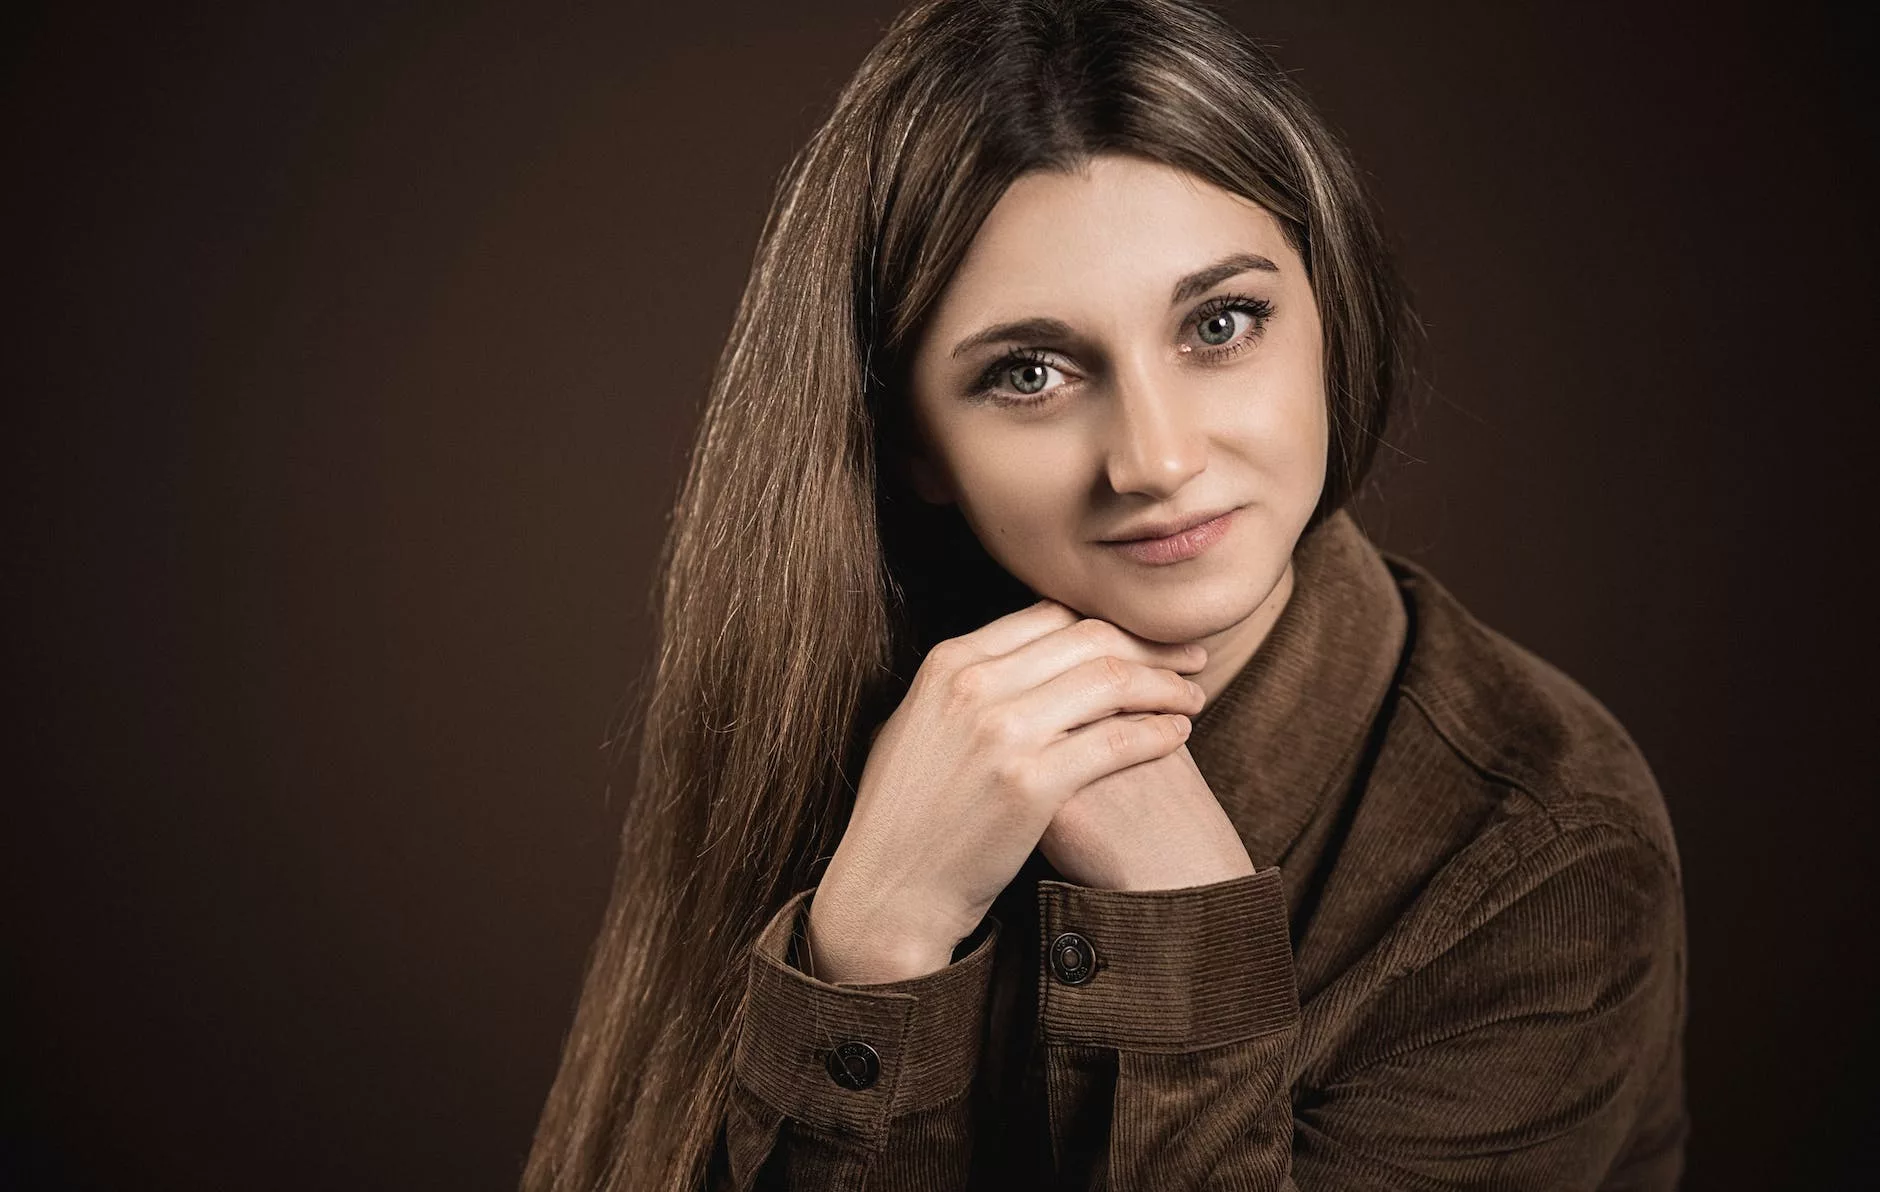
<point>353,360</point>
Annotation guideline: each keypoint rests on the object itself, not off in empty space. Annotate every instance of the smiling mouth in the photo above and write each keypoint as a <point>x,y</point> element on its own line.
<point>1169,529</point>
<point>1182,544</point>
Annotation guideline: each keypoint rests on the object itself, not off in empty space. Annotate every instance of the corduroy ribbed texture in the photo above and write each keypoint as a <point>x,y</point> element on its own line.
<point>1459,963</point>
<point>913,1027</point>
<point>1176,970</point>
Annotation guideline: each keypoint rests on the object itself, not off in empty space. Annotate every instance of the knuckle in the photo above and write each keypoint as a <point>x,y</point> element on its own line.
<point>1018,776</point>
<point>949,655</point>
<point>967,684</point>
<point>1111,672</point>
<point>998,731</point>
<point>1119,739</point>
<point>1096,632</point>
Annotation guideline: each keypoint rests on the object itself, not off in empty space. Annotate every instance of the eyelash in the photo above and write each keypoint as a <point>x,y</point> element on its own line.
<point>1258,309</point>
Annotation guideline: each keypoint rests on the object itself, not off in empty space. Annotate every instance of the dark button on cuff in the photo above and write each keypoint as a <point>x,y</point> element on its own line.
<point>854,1065</point>
<point>1073,960</point>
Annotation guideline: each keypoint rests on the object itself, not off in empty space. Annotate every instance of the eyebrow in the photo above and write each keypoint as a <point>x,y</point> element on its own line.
<point>1203,280</point>
<point>1199,282</point>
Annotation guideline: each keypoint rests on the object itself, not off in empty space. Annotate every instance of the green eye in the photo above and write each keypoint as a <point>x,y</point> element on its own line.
<point>1218,328</point>
<point>1017,378</point>
<point>1028,378</point>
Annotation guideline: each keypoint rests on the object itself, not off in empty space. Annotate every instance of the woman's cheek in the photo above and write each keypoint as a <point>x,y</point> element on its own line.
<point>1026,516</point>
<point>1286,435</point>
<point>1028,477</point>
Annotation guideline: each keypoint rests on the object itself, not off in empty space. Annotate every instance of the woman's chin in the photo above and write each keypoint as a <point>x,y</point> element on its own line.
<point>1191,617</point>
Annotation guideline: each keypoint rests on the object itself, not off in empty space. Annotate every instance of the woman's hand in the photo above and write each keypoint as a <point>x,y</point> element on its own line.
<point>1154,826</point>
<point>999,729</point>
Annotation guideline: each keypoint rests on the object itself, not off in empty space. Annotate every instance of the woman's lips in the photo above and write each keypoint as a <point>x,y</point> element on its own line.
<point>1158,552</point>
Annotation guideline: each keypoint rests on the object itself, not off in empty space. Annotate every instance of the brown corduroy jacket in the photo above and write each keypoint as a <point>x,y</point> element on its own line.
<point>1459,964</point>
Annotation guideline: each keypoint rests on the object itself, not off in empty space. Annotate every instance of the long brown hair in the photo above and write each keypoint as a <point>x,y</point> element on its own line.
<point>800,582</point>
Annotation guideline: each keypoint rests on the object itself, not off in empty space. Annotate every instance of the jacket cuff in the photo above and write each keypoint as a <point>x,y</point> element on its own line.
<point>1165,970</point>
<point>924,1033</point>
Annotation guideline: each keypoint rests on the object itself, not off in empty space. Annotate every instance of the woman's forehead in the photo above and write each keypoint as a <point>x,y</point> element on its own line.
<point>1120,228</point>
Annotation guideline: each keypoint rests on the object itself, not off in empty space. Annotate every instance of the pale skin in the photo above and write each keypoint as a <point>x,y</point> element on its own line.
<point>1183,376</point>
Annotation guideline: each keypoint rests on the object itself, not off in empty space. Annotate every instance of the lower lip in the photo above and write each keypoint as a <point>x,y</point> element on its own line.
<point>1159,552</point>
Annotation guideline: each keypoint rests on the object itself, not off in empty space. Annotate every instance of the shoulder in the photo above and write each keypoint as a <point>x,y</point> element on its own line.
<point>1523,736</point>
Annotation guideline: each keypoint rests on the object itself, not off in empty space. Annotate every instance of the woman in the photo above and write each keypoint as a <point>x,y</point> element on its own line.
<point>1044,783</point>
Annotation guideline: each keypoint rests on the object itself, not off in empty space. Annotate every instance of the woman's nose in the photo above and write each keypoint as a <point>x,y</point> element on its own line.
<point>1155,441</point>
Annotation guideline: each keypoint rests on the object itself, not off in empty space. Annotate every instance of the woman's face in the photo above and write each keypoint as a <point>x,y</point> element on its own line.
<point>1124,349</point>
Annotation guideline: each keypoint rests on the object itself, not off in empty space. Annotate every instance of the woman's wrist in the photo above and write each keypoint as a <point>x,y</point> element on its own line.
<point>843,948</point>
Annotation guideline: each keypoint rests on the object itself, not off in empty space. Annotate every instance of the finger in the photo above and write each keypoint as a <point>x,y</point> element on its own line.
<point>1114,743</point>
<point>1044,658</point>
<point>1008,633</point>
<point>1093,690</point>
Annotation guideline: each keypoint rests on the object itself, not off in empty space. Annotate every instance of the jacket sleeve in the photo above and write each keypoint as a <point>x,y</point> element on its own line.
<point>1513,1040</point>
<point>852,1086</point>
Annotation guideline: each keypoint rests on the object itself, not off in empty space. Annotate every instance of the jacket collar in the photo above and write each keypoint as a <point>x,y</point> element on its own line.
<point>1290,725</point>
